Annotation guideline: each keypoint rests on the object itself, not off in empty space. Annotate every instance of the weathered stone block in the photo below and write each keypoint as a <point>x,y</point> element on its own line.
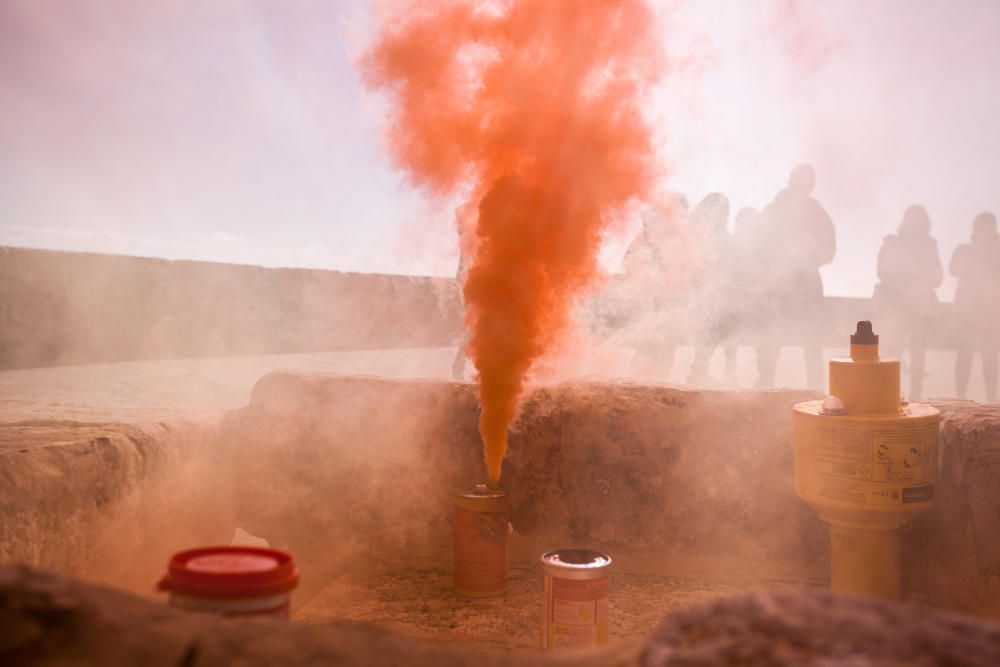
<point>49,620</point>
<point>953,550</point>
<point>819,630</point>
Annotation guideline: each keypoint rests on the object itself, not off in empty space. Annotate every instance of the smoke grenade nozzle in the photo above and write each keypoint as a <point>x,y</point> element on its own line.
<point>864,334</point>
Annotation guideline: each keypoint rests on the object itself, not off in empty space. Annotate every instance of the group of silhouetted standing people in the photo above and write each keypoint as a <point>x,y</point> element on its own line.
<point>685,273</point>
<point>910,271</point>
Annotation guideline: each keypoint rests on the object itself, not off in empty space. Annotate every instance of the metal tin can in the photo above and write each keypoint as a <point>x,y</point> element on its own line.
<point>480,531</point>
<point>574,598</point>
<point>232,581</point>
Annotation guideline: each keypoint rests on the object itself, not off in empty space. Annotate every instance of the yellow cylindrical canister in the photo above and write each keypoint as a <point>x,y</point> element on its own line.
<point>867,468</point>
<point>872,471</point>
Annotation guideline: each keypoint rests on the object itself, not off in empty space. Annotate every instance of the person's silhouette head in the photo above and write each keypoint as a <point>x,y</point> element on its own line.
<point>916,222</point>
<point>713,211</point>
<point>802,180</point>
<point>984,228</point>
<point>652,221</point>
<point>677,202</point>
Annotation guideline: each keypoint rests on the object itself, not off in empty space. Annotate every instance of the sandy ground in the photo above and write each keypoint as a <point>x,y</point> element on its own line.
<point>144,391</point>
<point>417,599</point>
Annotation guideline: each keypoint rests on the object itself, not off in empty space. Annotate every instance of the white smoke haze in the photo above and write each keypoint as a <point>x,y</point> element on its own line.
<point>238,131</point>
<point>173,121</point>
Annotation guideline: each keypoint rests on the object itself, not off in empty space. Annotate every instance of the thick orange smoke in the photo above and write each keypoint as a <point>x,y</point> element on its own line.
<point>533,108</point>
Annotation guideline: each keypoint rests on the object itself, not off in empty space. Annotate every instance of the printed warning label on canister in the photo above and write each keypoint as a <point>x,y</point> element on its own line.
<point>838,490</point>
<point>871,463</point>
<point>579,612</point>
<point>844,452</point>
<point>574,612</point>
<point>904,455</point>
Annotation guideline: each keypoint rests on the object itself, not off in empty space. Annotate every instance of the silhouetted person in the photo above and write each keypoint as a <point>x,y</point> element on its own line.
<point>650,264</point>
<point>644,267</point>
<point>800,238</point>
<point>746,301</point>
<point>464,222</point>
<point>977,304</point>
<point>745,232</point>
<point>909,272</point>
<point>713,318</point>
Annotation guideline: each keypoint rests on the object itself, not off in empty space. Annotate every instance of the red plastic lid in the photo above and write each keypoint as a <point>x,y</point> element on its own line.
<point>230,572</point>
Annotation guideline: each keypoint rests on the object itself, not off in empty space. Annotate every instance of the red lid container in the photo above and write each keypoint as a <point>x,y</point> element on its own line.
<point>230,572</point>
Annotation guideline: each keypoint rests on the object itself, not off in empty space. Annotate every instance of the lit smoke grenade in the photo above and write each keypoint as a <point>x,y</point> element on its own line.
<point>534,107</point>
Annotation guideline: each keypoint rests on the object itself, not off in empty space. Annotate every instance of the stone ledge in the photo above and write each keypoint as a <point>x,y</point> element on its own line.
<point>46,620</point>
<point>819,630</point>
<point>87,499</point>
<point>50,620</point>
<point>954,548</point>
<point>343,470</point>
<point>671,472</point>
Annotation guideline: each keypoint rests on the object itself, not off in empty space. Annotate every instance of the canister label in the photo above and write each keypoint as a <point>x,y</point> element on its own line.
<point>578,613</point>
<point>865,464</point>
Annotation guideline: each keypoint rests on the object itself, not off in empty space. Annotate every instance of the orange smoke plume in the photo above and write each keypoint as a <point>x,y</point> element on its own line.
<point>533,107</point>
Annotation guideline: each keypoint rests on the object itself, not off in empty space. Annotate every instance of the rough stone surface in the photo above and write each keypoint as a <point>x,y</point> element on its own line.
<point>820,630</point>
<point>48,620</point>
<point>55,478</point>
<point>671,473</point>
<point>954,548</point>
<point>105,501</point>
<point>663,471</point>
<point>348,473</point>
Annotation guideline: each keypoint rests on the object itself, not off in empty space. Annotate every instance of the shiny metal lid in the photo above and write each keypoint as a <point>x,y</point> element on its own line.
<point>482,498</point>
<point>576,563</point>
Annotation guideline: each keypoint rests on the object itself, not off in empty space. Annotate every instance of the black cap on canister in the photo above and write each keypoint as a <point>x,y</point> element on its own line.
<point>864,334</point>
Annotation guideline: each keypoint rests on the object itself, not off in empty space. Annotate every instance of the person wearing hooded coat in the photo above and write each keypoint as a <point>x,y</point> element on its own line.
<point>977,304</point>
<point>655,299</point>
<point>713,317</point>
<point>799,238</point>
<point>909,272</point>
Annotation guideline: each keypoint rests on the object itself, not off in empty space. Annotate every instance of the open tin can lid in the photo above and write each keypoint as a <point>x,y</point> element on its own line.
<point>482,498</point>
<point>230,572</point>
<point>576,563</point>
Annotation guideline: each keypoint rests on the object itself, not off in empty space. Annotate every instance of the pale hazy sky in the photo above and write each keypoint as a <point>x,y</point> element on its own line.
<point>236,130</point>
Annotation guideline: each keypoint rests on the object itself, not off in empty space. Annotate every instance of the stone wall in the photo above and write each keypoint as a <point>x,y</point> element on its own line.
<point>672,473</point>
<point>103,500</point>
<point>347,471</point>
<point>70,308</point>
<point>954,549</point>
<point>676,473</point>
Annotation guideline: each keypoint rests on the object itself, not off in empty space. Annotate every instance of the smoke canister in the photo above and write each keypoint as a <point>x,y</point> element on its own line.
<point>232,581</point>
<point>867,463</point>
<point>480,534</point>
<point>574,598</point>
